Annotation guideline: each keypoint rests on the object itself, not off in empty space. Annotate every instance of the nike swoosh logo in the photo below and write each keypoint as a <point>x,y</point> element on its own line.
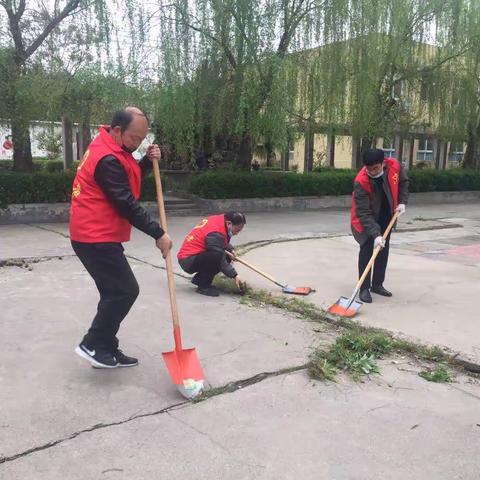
<point>90,352</point>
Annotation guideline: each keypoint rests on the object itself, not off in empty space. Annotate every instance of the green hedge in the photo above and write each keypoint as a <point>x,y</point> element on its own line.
<point>261,185</point>
<point>35,188</point>
<point>252,185</point>
<point>43,187</point>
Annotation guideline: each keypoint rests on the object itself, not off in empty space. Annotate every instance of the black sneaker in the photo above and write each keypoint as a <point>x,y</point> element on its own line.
<point>194,279</point>
<point>209,291</point>
<point>123,360</point>
<point>98,358</point>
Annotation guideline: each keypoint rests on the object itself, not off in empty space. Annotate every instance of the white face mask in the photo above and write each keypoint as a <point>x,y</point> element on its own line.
<point>375,176</point>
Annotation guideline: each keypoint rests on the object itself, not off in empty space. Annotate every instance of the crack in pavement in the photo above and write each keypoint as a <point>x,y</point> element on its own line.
<point>24,261</point>
<point>40,227</point>
<point>98,426</point>
<point>214,392</point>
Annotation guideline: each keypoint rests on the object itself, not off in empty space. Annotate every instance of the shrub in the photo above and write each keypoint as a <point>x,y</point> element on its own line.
<point>53,186</point>
<point>247,185</point>
<point>53,166</point>
<point>328,182</point>
<point>38,187</point>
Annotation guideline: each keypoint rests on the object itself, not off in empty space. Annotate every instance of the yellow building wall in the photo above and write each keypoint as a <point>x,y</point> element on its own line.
<point>299,155</point>
<point>320,149</point>
<point>343,151</point>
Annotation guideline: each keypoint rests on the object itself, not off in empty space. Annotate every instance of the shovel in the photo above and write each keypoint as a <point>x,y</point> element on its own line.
<point>182,364</point>
<point>348,307</point>
<point>285,288</point>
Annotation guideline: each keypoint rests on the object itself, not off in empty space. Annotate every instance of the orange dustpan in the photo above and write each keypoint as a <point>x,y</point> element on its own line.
<point>182,364</point>
<point>348,307</point>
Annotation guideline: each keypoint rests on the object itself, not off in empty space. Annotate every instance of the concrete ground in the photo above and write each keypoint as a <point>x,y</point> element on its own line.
<point>61,419</point>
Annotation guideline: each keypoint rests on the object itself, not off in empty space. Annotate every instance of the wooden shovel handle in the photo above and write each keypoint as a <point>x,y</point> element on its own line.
<point>168,258</point>
<point>263,274</point>
<point>376,251</point>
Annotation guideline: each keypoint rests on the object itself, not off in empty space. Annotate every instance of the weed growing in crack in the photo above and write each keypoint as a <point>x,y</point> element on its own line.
<point>355,353</point>
<point>439,374</point>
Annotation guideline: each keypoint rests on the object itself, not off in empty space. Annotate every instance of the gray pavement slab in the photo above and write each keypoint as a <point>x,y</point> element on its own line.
<point>48,392</point>
<point>434,297</point>
<point>394,427</point>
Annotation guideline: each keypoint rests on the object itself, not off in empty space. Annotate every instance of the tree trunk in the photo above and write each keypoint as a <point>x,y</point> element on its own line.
<point>67,143</point>
<point>245,152</point>
<point>367,143</point>
<point>356,153</point>
<point>86,135</point>
<point>270,154</point>
<point>471,159</point>
<point>308,152</point>
<point>22,148</point>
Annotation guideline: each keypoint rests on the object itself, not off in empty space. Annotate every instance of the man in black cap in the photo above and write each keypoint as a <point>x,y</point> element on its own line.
<point>380,189</point>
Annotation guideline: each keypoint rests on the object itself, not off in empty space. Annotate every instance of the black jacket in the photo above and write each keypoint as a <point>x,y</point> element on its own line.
<point>112,179</point>
<point>369,212</point>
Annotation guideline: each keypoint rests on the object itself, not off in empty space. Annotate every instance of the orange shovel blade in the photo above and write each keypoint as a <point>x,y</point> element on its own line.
<point>345,308</point>
<point>183,365</point>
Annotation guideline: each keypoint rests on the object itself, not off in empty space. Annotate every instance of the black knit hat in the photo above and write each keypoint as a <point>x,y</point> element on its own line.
<point>373,156</point>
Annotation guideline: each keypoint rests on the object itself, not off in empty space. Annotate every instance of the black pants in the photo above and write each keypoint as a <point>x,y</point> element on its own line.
<point>118,289</point>
<point>206,265</point>
<point>379,267</point>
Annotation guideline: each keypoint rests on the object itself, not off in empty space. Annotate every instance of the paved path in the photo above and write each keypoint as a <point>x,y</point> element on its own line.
<point>61,419</point>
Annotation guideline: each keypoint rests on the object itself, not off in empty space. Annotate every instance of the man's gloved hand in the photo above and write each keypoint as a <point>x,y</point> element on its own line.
<point>379,242</point>
<point>400,209</point>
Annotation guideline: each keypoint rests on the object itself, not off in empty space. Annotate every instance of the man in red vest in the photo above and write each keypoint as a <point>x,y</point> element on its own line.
<point>104,207</point>
<point>380,189</point>
<point>203,251</point>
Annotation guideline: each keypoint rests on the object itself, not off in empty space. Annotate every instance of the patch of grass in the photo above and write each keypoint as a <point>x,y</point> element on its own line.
<point>226,284</point>
<point>355,353</point>
<point>320,368</point>
<point>423,352</point>
<point>365,343</point>
<point>439,374</point>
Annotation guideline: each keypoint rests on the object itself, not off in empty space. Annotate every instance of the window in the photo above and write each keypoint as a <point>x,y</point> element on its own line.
<point>425,149</point>
<point>389,148</point>
<point>455,153</point>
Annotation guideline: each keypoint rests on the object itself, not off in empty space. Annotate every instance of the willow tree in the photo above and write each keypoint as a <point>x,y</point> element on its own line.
<point>397,51</point>
<point>458,92</point>
<point>237,53</point>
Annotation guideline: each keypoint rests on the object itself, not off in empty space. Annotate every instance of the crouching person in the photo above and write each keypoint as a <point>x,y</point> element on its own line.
<point>203,251</point>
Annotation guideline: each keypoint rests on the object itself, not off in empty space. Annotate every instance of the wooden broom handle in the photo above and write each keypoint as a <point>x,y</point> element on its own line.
<point>168,258</point>
<point>266,275</point>
<point>377,251</point>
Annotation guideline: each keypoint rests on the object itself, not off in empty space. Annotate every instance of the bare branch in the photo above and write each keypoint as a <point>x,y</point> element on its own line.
<point>69,8</point>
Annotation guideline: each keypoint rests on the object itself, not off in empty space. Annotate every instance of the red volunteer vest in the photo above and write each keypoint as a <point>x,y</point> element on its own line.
<point>93,218</point>
<point>393,176</point>
<point>194,242</point>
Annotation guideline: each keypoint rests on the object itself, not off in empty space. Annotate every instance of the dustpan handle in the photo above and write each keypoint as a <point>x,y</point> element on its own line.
<point>263,274</point>
<point>168,258</point>
<point>376,251</point>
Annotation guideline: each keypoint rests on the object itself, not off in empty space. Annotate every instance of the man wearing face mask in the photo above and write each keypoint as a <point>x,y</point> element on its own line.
<point>380,189</point>
<point>104,207</point>
<point>203,251</point>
